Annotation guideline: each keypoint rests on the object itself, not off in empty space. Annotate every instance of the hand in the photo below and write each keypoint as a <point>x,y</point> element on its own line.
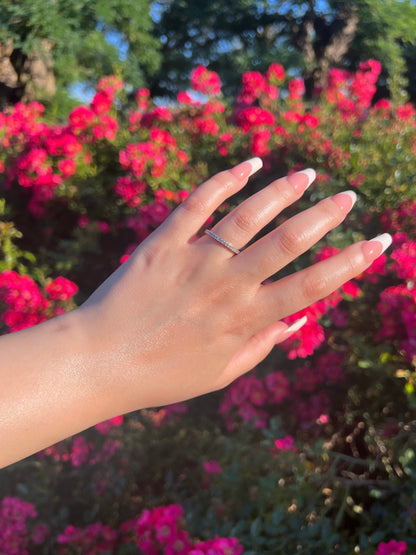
<point>185,315</point>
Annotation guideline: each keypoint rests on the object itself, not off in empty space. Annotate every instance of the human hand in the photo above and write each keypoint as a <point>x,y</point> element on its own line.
<point>184,315</point>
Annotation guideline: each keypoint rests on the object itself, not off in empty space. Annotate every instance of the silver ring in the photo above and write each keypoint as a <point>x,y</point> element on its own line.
<point>222,242</point>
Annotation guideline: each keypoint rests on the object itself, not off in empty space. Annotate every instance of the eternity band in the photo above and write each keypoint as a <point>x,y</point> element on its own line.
<point>222,242</point>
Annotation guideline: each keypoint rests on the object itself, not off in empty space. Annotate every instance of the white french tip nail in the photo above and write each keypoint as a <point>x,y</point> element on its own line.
<point>256,164</point>
<point>352,195</point>
<point>385,239</point>
<point>297,325</point>
<point>310,174</point>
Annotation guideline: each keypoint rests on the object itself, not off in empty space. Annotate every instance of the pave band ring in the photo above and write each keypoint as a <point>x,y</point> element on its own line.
<point>225,244</point>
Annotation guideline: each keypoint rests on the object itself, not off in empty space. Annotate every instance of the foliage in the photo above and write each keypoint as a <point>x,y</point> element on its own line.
<point>312,452</point>
<point>303,36</point>
<point>87,38</point>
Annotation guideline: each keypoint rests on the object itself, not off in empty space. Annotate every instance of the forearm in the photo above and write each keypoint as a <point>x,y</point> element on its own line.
<point>48,389</point>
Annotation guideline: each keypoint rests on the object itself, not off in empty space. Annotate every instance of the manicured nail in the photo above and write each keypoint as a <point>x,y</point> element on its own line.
<point>246,169</point>
<point>310,174</point>
<point>374,247</point>
<point>256,165</point>
<point>345,200</point>
<point>297,325</point>
<point>298,181</point>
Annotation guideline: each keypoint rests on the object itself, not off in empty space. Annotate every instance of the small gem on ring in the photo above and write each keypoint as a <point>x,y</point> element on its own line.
<point>221,241</point>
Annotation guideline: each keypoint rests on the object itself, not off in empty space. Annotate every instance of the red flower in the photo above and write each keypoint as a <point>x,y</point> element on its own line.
<point>285,444</point>
<point>102,102</point>
<point>275,74</point>
<point>250,117</point>
<point>205,81</point>
<point>81,117</point>
<point>61,289</point>
<point>67,167</point>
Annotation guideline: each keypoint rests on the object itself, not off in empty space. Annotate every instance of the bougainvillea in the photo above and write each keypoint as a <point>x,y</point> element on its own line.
<point>327,419</point>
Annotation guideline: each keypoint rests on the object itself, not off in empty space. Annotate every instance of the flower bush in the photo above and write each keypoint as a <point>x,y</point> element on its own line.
<point>314,451</point>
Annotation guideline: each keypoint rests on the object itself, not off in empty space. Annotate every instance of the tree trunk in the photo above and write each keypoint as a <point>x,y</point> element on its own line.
<point>324,44</point>
<point>23,77</point>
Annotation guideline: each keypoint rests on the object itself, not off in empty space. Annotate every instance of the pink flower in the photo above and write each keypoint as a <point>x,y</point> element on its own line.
<point>67,167</point>
<point>275,73</point>
<point>130,190</point>
<point>184,98</point>
<point>61,289</point>
<point>254,84</point>
<point>205,81</point>
<point>14,536</point>
<point>250,117</point>
<point>212,467</point>
<point>285,444</point>
<point>102,102</point>
<point>217,546</point>
<point>277,386</point>
<point>96,538</point>
<point>260,142</point>
<point>296,88</point>
<point>81,118</point>
<point>39,533</point>
<point>393,547</point>
<point>80,452</point>
<point>104,427</point>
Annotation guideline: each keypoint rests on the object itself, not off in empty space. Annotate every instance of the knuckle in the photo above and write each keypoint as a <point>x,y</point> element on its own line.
<point>224,180</point>
<point>284,190</point>
<point>330,211</point>
<point>315,288</point>
<point>290,240</point>
<point>195,205</point>
<point>245,219</point>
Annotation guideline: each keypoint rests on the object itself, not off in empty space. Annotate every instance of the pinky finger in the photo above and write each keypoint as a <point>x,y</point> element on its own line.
<point>259,346</point>
<point>297,291</point>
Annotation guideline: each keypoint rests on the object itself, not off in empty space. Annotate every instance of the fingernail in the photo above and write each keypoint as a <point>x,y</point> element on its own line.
<point>256,164</point>
<point>298,182</point>
<point>297,325</point>
<point>246,169</point>
<point>345,200</point>
<point>310,174</point>
<point>375,247</point>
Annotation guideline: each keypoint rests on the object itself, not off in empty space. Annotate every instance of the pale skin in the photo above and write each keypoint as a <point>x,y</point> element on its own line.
<point>182,317</point>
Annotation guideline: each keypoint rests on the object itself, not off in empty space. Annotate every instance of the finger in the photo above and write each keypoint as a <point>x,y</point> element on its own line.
<point>283,245</point>
<point>191,215</point>
<point>297,291</point>
<point>259,346</point>
<point>245,221</point>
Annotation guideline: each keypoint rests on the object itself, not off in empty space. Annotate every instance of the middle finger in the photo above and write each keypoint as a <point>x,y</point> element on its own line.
<point>278,248</point>
<point>245,221</point>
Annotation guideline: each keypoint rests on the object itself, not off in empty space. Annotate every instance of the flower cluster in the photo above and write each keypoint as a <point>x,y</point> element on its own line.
<point>251,399</point>
<point>26,304</point>
<point>247,397</point>
<point>120,175</point>
<point>15,536</point>
<point>45,156</point>
<point>205,81</point>
<point>392,547</point>
<point>95,538</point>
<point>353,92</point>
<point>161,530</point>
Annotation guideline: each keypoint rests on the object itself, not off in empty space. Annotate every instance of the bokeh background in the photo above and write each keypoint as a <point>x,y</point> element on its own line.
<point>111,113</point>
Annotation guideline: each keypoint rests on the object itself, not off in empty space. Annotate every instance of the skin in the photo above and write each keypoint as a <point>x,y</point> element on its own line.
<point>182,317</point>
